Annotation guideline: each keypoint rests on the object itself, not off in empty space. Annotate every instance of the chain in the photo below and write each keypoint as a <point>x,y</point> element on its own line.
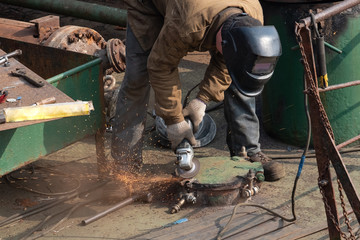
<point>346,217</point>
<point>312,91</point>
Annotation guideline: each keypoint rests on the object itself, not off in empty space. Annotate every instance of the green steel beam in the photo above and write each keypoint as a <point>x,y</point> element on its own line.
<point>79,9</point>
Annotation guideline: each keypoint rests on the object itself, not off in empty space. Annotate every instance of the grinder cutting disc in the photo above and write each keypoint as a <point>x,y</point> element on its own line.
<point>189,173</point>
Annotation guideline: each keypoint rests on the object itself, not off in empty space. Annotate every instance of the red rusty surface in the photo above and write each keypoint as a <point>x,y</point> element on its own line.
<point>46,26</point>
<point>77,39</point>
<point>18,87</point>
<point>317,129</point>
<point>116,54</point>
<point>18,30</point>
<point>325,147</point>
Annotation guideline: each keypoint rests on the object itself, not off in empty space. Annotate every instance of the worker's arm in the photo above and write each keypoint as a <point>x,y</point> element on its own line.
<point>163,63</point>
<point>216,80</point>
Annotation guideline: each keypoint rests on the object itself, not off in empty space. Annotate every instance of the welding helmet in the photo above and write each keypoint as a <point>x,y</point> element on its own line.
<point>251,52</point>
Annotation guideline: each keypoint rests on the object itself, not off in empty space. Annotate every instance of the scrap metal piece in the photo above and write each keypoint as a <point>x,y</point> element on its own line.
<point>46,26</point>
<point>30,78</point>
<point>77,39</point>
<point>146,197</point>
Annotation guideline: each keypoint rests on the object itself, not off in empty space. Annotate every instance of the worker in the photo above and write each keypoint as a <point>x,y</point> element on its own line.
<point>159,34</point>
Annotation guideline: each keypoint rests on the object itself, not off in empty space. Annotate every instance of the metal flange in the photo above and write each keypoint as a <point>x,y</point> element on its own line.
<point>115,50</point>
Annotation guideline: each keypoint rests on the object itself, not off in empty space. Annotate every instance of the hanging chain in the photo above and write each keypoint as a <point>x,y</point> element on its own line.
<point>346,217</point>
<point>312,91</point>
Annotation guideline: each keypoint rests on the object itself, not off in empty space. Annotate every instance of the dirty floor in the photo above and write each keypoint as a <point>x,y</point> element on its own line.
<point>74,168</point>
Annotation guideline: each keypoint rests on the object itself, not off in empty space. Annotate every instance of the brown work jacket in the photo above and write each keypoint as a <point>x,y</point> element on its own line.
<point>169,29</point>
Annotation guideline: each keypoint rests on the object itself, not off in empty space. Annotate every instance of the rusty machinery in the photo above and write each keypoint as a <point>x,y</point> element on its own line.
<point>46,31</point>
<point>323,136</point>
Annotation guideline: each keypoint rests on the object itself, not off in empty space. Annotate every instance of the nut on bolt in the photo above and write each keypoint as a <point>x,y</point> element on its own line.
<point>323,182</point>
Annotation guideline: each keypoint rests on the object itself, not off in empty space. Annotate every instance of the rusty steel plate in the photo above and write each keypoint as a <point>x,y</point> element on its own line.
<point>19,87</point>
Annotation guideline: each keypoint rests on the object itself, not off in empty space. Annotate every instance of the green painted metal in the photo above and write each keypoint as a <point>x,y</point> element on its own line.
<point>343,106</point>
<point>23,145</point>
<point>222,170</point>
<point>283,112</point>
<point>79,9</point>
<point>283,100</point>
<point>73,71</point>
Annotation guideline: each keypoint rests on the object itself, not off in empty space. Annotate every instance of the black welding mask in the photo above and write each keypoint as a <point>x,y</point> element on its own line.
<point>250,51</point>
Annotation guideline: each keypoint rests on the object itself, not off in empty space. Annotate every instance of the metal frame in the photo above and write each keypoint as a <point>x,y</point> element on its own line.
<point>323,138</point>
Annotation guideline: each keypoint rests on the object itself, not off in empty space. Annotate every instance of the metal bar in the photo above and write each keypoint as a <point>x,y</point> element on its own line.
<point>147,197</point>
<point>73,71</point>
<point>339,86</point>
<point>5,58</point>
<point>331,47</point>
<point>79,9</point>
<point>341,145</point>
<point>329,12</point>
<point>107,211</point>
<point>317,129</point>
<point>325,147</point>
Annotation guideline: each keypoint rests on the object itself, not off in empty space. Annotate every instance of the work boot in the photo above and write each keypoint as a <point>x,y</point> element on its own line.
<point>273,171</point>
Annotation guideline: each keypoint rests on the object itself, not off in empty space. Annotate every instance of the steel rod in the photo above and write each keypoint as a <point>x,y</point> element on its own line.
<point>339,86</point>
<point>107,211</point>
<point>329,12</point>
<point>341,145</point>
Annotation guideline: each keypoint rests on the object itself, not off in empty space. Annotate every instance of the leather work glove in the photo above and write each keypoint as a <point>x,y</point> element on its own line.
<point>195,110</point>
<point>178,132</point>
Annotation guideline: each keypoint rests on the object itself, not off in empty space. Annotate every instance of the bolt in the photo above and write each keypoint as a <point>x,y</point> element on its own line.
<point>323,183</point>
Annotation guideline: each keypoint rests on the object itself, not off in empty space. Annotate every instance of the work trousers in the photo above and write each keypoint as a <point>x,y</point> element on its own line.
<point>242,122</point>
<point>131,110</point>
<point>131,107</point>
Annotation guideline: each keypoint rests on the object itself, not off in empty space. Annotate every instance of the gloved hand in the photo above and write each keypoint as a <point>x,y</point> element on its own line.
<point>196,111</point>
<point>178,132</point>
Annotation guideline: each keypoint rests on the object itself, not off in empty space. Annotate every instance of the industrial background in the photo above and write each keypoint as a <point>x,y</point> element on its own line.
<point>53,170</point>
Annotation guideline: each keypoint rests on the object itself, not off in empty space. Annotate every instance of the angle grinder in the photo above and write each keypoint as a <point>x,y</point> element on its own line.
<point>187,165</point>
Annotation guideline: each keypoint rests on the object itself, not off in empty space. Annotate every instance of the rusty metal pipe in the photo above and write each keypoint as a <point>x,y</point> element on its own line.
<point>339,86</point>
<point>341,145</point>
<point>147,198</point>
<point>78,9</point>
<point>329,12</point>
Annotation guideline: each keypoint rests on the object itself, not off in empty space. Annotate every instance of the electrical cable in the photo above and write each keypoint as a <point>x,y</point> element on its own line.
<point>302,160</point>
<point>13,180</point>
<point>44,207</point>
<point>70,212</point>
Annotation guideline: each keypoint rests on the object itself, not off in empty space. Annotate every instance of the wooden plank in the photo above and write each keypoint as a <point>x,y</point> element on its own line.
<point>285,232</point>
<point>247,224</point>
<point>307,232</point>
<point>238,225</point>
<point>194,225</point>
<point>260,231</point>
